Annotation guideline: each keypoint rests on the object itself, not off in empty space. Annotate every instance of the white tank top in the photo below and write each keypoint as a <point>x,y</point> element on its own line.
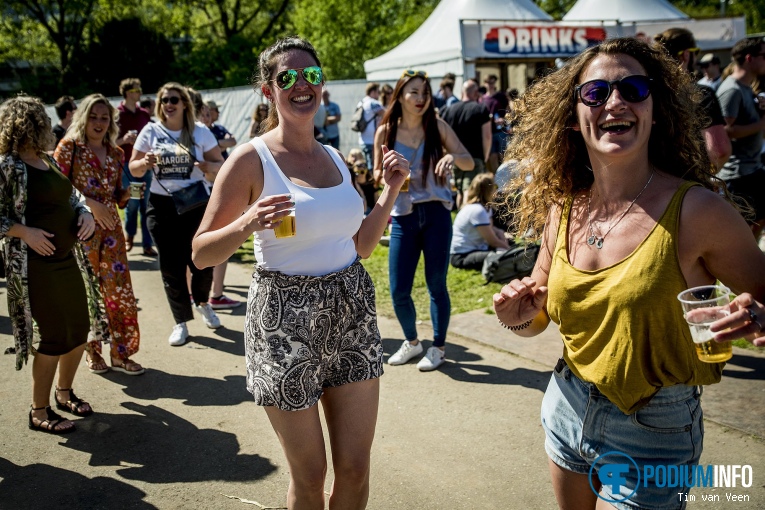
<point>326,219</point>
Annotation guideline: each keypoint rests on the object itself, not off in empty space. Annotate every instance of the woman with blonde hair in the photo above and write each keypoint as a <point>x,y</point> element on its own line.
<point>474,235</point>
<point>629,216</point>
<point>182,156</point>
<point>43,218</point>
<point>93,162</point>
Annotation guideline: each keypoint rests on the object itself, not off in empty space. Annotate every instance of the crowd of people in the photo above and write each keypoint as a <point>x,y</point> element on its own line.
<point>652,179</point>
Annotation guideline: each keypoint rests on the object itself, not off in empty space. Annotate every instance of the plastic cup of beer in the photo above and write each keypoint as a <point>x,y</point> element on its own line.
<point>702,306</point>
<point>287,226</point>
<point>405,186</point>
<point>136,190</point>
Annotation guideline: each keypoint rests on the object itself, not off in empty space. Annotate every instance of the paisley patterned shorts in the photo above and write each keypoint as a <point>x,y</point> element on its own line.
<point>306,333</point>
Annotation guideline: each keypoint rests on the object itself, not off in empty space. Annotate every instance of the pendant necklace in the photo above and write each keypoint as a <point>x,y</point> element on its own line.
<point>598,240</point>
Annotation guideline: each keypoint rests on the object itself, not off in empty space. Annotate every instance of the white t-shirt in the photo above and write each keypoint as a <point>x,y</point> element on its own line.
<point>465,235</point>
<point>175,166</point>
<point>371,107</point>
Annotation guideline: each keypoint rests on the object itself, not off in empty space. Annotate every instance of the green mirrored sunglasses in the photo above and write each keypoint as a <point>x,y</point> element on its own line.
<point>287,78</point>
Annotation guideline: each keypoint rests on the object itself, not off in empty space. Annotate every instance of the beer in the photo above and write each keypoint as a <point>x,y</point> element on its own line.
<point>287,227</point>
<point>405,186</point>
<point>707,349</point>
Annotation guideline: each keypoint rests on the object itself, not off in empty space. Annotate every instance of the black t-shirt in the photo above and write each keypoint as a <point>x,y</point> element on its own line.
<point>711,106</point>
<point>466,119</point>
<point>59,131</point>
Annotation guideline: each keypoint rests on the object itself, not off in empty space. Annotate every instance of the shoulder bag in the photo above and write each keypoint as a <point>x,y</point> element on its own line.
<point>192,196</point>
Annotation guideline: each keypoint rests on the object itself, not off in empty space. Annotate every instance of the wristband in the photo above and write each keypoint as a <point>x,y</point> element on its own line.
<point>518,327</point>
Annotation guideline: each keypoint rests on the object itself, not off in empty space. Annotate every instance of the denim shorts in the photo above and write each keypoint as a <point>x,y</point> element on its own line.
<point>582,424</point>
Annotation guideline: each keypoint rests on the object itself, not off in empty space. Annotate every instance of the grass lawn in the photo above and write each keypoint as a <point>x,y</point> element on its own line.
<point>466,288</point>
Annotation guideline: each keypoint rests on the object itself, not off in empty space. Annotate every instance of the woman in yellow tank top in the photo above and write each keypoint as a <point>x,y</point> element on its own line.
<point>629,215</point>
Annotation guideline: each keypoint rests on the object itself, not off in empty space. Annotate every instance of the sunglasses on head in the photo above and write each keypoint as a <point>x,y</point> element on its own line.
<point>412,73</point>
<point>287,78</point>
<point>634,89</point>
<point>693,50</point>
<point>170,99</point>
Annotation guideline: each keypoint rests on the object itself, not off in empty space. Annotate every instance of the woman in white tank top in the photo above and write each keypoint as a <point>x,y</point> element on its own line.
<point>311,332</point>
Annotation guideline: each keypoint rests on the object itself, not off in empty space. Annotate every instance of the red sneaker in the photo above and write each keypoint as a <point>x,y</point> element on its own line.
<point>223,303</point>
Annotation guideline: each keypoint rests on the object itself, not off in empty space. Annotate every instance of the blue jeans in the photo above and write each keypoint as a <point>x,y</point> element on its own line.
<point>133,206</point>
<point>427,230</point>
<point>369,155</point>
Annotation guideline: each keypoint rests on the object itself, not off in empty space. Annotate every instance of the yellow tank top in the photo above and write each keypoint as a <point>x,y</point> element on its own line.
<point>622,326</point>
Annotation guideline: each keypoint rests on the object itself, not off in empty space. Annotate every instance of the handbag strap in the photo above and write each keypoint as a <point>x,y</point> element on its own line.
<point>179,143</point>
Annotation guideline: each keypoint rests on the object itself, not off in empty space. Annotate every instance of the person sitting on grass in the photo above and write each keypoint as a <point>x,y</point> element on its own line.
<point>473,234</point>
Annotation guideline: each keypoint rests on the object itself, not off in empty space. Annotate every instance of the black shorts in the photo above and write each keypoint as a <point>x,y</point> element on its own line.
<point>750,188</point>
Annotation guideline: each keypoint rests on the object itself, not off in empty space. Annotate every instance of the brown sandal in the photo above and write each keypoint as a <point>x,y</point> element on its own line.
<point>72,405</point>
<point>51,421</point>
<point>96,365</point>
<point>127,366</point>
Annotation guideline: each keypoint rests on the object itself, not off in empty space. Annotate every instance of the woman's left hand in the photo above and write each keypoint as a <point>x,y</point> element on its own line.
<point>746,320</point>
<point>395,168</point>
<point>444,169</point>
<point>87,226</point>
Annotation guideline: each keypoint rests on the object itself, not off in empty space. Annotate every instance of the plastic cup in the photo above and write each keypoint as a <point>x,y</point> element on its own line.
<point>405,186</point>
<point>701,307</point>
<point>136,190</point>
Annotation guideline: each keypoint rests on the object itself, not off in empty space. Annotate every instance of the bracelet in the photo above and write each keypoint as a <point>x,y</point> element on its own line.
<point>518,327</point>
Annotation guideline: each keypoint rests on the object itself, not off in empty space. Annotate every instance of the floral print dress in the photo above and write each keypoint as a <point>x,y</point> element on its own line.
<point>106,249</point>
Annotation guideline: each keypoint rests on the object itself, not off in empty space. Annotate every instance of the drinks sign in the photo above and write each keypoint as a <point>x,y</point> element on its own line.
<point>551,41</point>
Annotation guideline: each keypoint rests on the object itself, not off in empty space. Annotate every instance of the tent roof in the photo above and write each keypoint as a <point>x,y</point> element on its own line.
<point>623,10</point>
<point>438,38</point>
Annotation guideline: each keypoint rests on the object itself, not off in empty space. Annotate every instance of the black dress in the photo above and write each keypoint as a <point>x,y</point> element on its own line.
<point>56,289</point>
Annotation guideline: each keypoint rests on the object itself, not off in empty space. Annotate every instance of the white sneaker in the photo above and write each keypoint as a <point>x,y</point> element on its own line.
<point>208,315</point>
<point>433,359</point>
<point>179,335</point>
<point>406,352</point>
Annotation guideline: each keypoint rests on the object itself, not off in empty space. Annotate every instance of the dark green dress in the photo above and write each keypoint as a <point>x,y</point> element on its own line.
<point>56,290</point>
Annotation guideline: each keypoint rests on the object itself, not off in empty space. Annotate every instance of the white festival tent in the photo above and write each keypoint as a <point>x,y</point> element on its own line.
<point>437,45</point>
<point>623,10</point>
<point>646,18</point>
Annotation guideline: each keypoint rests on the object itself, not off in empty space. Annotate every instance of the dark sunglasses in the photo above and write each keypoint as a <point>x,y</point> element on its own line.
<point>411,73</point>
<point>502,123</point>
<point>287,78</point>
<point>634,89</point>
<point>170,99</point>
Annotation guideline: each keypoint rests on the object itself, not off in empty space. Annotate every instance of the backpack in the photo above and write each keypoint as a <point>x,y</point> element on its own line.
<point>516,262</point>
<point>358,121</point>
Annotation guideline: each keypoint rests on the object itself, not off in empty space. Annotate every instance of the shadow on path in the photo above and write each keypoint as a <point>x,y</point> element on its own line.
<point>160,447</point>
<point>753,368</point>
<point>226,340</point>
<point>193,390</point>
<point>460,365</point>
<point>44,486</point>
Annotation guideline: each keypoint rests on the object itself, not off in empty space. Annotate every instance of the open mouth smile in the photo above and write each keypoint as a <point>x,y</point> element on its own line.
<point>617,126</point>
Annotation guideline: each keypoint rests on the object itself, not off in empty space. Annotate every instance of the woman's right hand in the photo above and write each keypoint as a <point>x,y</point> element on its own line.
<point>102,214</point>
<point>37,239</point>
<point>267,212</point>
<point>518,301</point>
<point>149,160</point>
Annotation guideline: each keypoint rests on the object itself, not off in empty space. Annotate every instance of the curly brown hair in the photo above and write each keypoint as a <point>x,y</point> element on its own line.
<point>554,159</point>
<point>24,125</point>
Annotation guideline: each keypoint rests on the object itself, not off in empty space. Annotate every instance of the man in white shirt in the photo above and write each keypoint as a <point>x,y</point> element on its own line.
<point>373,112</point>
<point>710,66</point>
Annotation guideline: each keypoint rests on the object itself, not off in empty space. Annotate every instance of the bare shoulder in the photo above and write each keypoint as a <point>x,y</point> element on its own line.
<point>702,206</point>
